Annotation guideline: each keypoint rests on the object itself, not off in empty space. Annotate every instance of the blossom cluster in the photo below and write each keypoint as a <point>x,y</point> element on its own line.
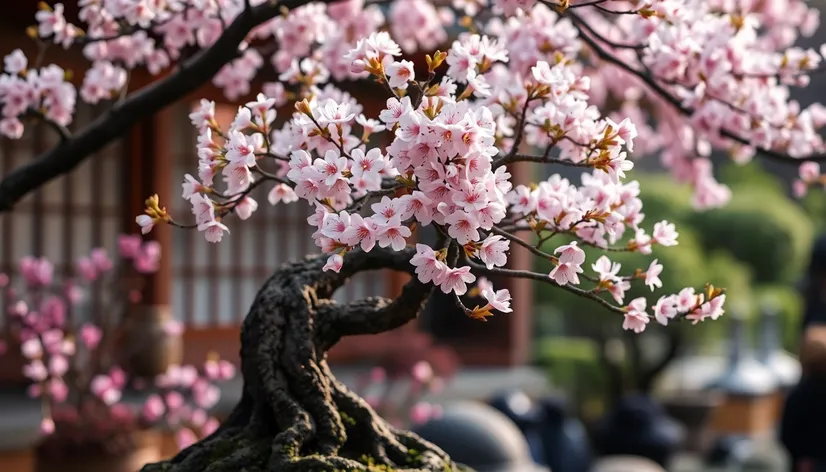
<point>171,403</point>
<point>55,344</point>
<point>65,353</point>
<point>446,165</point>
<point>711,75</point>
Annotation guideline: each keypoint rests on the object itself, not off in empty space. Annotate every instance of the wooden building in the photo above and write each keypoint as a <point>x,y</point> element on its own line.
<point>209,287</point>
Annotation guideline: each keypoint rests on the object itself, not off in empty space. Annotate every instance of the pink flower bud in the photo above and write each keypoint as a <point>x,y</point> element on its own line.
<point>34,390</point>
<point>4,280</point>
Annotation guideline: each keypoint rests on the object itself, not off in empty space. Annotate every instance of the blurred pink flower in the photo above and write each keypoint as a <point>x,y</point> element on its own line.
<point>73,293</point>
<point>118,377</point>
<point>90,335</point>
<point>34,390</point>
<point>173,328</point>
<point>206,395</point>
<point>210,426</point>
<point>421,412</point>
<point>58,365</point>
<point>59,390</point>
<point>19,308</point>
<point>103,387</point>
<point>36,272</point>
<point>31,348</point>
<point>377,375</point>
<point>185,437</point>
<point>47,426</point>
<point>198,417</point>
<point>174,401</point>
<point>154,408</point>
<point>53,309</point>
<point>129,245</point>
<point>101,260</point>
<point>86,269</point>
<point>422,371</point>
<point>4,280</point>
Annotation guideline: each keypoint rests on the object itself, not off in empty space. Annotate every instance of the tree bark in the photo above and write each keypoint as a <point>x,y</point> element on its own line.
<point>294,415</point>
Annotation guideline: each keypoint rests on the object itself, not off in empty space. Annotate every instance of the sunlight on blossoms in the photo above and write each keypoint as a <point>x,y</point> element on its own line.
<point>588,84</point>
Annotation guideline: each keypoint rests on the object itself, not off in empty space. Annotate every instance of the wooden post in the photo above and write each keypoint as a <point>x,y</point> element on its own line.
<point>521,320</point>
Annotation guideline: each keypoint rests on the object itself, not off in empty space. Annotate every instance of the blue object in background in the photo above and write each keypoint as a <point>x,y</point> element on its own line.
<point>556,439</point>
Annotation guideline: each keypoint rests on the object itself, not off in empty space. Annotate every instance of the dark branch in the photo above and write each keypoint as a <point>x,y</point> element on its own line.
<point>192,74</point>
<point>660,91</point>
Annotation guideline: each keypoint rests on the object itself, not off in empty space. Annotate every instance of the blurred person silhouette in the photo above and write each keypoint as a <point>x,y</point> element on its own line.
<point>803,423</point>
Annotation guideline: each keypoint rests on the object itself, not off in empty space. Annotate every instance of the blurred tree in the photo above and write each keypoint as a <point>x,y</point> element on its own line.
<point>757,259</point>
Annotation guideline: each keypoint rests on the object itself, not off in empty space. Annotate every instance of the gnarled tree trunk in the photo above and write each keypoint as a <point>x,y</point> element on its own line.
<point>294,415</point>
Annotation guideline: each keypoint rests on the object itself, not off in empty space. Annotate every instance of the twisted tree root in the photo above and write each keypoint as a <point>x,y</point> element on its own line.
<point>294,415</point>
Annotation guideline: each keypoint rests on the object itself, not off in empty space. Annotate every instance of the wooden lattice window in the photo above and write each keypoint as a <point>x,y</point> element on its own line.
<point>68,216</point>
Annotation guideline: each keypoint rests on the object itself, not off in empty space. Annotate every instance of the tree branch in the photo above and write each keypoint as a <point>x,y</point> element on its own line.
<point>192,74</point>
<point>660,91</point>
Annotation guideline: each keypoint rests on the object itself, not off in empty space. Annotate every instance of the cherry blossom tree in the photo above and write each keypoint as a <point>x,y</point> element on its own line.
<point>570,83</point>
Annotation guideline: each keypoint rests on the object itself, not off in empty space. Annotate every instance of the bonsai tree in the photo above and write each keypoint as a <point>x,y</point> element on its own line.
<point>521,83</point>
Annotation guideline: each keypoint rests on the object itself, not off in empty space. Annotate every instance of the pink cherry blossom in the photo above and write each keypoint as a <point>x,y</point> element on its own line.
<point>665,309</point>
<point>635,316</point>
<point>493,251</point>
<point>652,275</point>
<point>499,300</point>
<point>456,279</point>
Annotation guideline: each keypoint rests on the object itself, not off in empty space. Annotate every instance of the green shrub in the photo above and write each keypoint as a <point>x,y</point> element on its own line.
<point>770,233</point>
